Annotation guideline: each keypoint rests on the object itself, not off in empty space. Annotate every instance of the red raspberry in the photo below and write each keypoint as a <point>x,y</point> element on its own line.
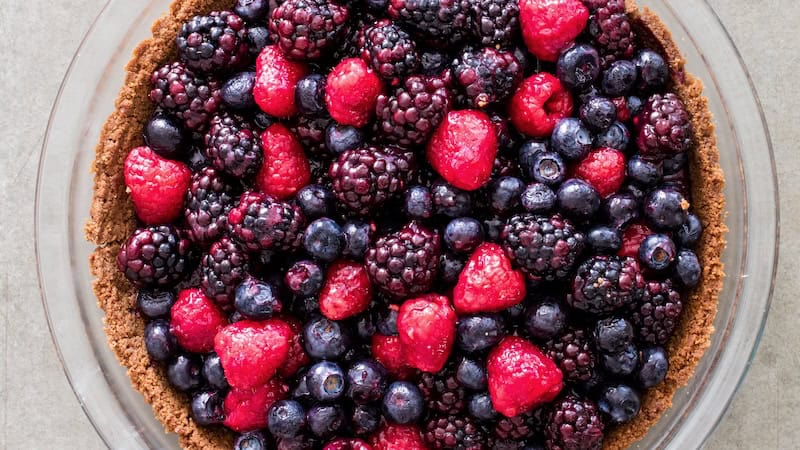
<point>632,237</point>
<point>427,327</point>
<point>521,377</point>
<point>623,112</point>
<point>398,437</point>
<point>539,103</point>
<point>195,319</point>
<point>285,168</point>
<point>463,147</point>
<point>604,169</point>
<point>347,444</point>
<point>550,26</point>
<point>276,78</point>
<point>488,282</point>
<point>352,91</point>
<point>251,352</point>
<point>347,290</point>
<point>246,409</point>
<point>297,357</point>
<point>388,351</point>
<point>157,185</point>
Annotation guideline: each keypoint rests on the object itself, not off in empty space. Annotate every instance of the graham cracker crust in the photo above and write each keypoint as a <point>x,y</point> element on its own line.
<point>112,220</point>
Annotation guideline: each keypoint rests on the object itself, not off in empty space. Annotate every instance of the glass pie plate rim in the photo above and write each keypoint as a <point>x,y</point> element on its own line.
<point>120,415</point>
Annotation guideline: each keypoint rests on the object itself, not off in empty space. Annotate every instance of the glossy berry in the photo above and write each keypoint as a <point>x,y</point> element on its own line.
<point>539,103</point>
<point>404,263</point>
<point>252,11</point>
<point>183,373</point>
<point>351,92</point>
<point>213,43</point>
<point>619,78</point>
<point>548,27</point>
<point>657,252</point>
<point>574,422</point>
<point>165,136</point>
<point>286,419</point>
<point>389,50</point>
<point>366,381</point>
<point>480,332</point>
<point>233,146</point>
<point>663,127</point>
<point>471,374</point>
<point>480,407</point>
<point>223,267</point>
<point>598,113</point>
<point>652,69</point>
<point>526,154</point>
<point>357,236</point>
<point>347,290</point>
<point>418,202</point>
<point>449,200</point>
<point>259,223</point>
<point>276,81</point>
<point>213,372</point>
<point>646,173</point>
<point>257,300</point>
<point>325,420</point>
<point>306,29</point>
<point>325,339</point>
<point>538,198</point>
<point>156,185</point>
<point>365,419</point>
<point>304,278</point>
<point>190,97</point>
<point>665,208</point>
<point>604,169</point>
<point>613,335</point>
<point>323,240</point>
<point>571,139</point>
<point>653,368</point>
<point>309,94</point>
<point>207,408</point>
<point>578,199</point>
<point>340,138</point>
<point>285,169</point>
<point>315,201</point>
<point>195,320</point>
<point>619,403</point>
<point>237,92</point>
<point>450,267</point>
<point>251,352</point>
<point>622,363</point>
<point>603,284</point>
<point>253,440</point>
<point>620,210</point>
<point>548,168</point>
<point>326,381</point>
<point>604,240</point>
<point>396,437</point>
<point>486,76</point>
<point>427,330</point>
<point>691,231</point>
<point>616,136</point>
<point>388,351</point>
<point>504,194</point>
<point>542,246</point>
<point>578,67</point>
<point>159,341</point>
<point>463,235</point>
<point>154,304</point>
<point>463,148</point>
<point>488,282</point>
<point>402,403</point>
<point>687,268</point>
<point>545,320</point>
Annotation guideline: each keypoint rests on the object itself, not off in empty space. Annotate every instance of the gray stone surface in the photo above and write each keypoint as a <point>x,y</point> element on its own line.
<point>37,407</point>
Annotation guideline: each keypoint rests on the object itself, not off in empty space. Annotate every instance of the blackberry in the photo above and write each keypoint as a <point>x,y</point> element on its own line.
<point>515,429</point>
<point>443,394</point>
<point>486,76</point>
<point>453,432</point>
<point>573,353</point>
<point>496,22</point>
<point>439,23</point>
<point>223,268</point>
<point>305,29</point>
<point>310,130</point>
<point>574,423</point>
<point>208,201</point>
<point>542,246</point>
<point>156,256</point>
<point>214,42</point>
<point>657,314</point>
<point>178,90</point>
<point>259,222</point>
<point>663,127</point>
<point>233,146</point>
<point>404,263</point>
<point>412,112</point>
<point>610,30</point>
<point>365,178</point>
<point>389,50</point>
<point>604,284</point>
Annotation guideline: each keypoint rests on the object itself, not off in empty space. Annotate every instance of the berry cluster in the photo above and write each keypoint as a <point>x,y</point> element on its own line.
<point>406,234</point>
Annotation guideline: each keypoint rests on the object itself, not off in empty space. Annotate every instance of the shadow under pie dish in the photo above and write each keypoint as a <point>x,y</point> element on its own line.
<point>113,220</point>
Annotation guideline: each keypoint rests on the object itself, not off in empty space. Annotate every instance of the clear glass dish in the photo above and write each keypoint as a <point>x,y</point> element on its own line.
<point>125,421</point>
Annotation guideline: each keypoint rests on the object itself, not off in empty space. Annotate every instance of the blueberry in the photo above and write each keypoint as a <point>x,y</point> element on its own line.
<point>237,92</point>
<point>604,240</point>
<point>366,381</point>
<point>657,251</point>
<point>635,105</point>
<point>325,381</point>
<point>252,440</point>
<point>340,138</point>
<point>252,10</point>
<point>286,419</point>
<point>587,94</point>
<point>538,198</point>
<point>525,156</point>
<point>504,193</point>
<point>365,419</point>
<point>366,326</point>
<point>578,67</point>
<point>357,237</point>
<point>493,227</point>
<point>691,230</point>
<point>432,62</point>
<point>635,190</point>
<point>674,163</point>
<point>619,403</point>
<point>612,335</point>
<point>578,199</point>
<point>213,372</point>
<point>621,209</point>
<point>256,299</point>
<point>165,136</point>
<point>325,420</point>
<point>548,168</point>
<point>616,136</point>
<point>449,200</point>
<point>315,201</point>
<point>184,373</point>
<point>154,304</point>
<point>480,332</point>
<point>480,407</point>
<point>512,313</point>
<point>304,278</point>
<point>619,78</point>
<point>159,340</point>
<point>325,339</point>
<point>402,403</point>
<point>257,39</point>
<point>471,374</point>
<point>387,322</point>
<point>652,70</point>
<point>463,235</point>
<point>300,392</point>
<point>418,203</point>
<point>653,368</point>
<point>309,94</point>
<point>644,172</point>
<point>571,139</point>
<point>262,120</point>
<point>665,209</point>
<point>324,240</point>
<point>545,320</point>
<point>623,363</point>
<point>450,267</point>
<point>687,268</point>
<point>598,113</point>
<point>207,408</point>
<point>196,159</point>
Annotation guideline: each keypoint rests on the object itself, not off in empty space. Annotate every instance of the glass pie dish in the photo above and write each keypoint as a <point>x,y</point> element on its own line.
<point>125,421</point>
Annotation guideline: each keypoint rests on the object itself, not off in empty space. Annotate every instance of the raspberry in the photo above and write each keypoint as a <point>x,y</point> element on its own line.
<point>389,50</point>
<point>604,169</point>
<point>443,432</point>
<point>245,408</point>
<point>208,201</point>
<point>233,146</point>
<point>486,77</point>
<point>546,247</point>
<point>305,29</point>
<point>346,292</point>
<point>603,284</point>
<point>574,423</point>
<point>351,92</point>
<point>463,148</point>
<point>521,377</point>
<point>656,315</point>
<point>663,128</point>
<point>404,263</point>
<point>297,356</point>
<point>388,351</point>
<point>611,31</point>
<point>214,42</point>
<point>427,328</point>
<point>259,222</point>
<point>251,352</point>
<point>538,104</point>
<point>439,23</point>
<point>364,179</point>
<point>397,437</point>
<point>488,282</point>
<point>285,168</point>
<point>193,99</point>
<point>632,237</point>
<point>550,26</point>
<point>195,320</point>
<point>156,256</point>
<point>223,268</point>
<point>573,353</point>
<point>156,185</point>
<point>495,22</point>
<point>443,393</point>
<point>409,115</point>
<point>310,130</point>
<point>276,79</point>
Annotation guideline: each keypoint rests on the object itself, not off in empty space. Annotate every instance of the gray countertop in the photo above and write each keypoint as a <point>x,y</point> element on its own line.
<point>37,407</point>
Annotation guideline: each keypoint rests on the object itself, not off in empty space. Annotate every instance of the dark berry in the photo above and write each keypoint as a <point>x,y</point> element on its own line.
<point>443,393</point>
<point>402,403</point>
<point>574,423</point>
<point>480,332</point>
<point>663,127</point>
<point>408,116</point>
<point>260,223</point>
<point>223,268</point>
<point>207,408</point>
<point>193,99</point>
<point>578,67</point>
<point>665,209</point>
<point>340,138</point>
<point>619,403</point>
<point>504,194</point>
<point>616,136</point>
<point>571,139</point>
<point>325,339</point>
<point>213,372</point>
<point>214,42</point>
<point>689,233</point>
<point>463,235</point>
<point>645,172</point>
<point>622,363</point>
<point>389,50</point>
<point>252,440</point>
<point>603,284</point>
<point>252,10</point>
<point>257,39</point>
<point>286,419</point>
<point>304,278</point>
<point>486,76</point>
<point>610,29</point>
<point>183,373</point>
<point>652,69</point>
<point>357,236</point>
<point>621,209</point>
<point>208,202</point>
<point>578,199</point>
<point>233,146</point>
<point>387,321</point>
<point>324,239</point>
<point>653,368</point>
<point>480,407</point>
<point>154,303</point>
<point>196,159</point>
<point>365,419</point>
<point>657,251</point>
<point>156,256</point>
<point>307,29</point>
<point>545,320</point>
<point>526,156</point>
<point>598,113</point>
<point>635,105</point>
<point>673,164</point>
<point>613,335</point>
<point>366,381</point>
<point>457,432</point>
<point>237,92</point>
<point>309,94</point>
<point>542,246</point>
<point>159,340</point>
<point>538,198</point>
<point>656,316</point>
<point>495,22</point>
<point>450,267</point>
<point>619,78</point>
<point>325,381</point>
<point>439,23</point>
<point>471,374</point>
<point>418,202</point>
<point>606,240</point>
<point>257,300</point>
<point>449,200</point>
<point>164,135</point>
<point>687,268</point>
<point>315,201</point>
<point>404,263</point>
<point>433,63</point>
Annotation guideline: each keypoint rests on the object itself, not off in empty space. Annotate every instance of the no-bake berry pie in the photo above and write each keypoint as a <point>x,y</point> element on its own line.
<point>408,224</point>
